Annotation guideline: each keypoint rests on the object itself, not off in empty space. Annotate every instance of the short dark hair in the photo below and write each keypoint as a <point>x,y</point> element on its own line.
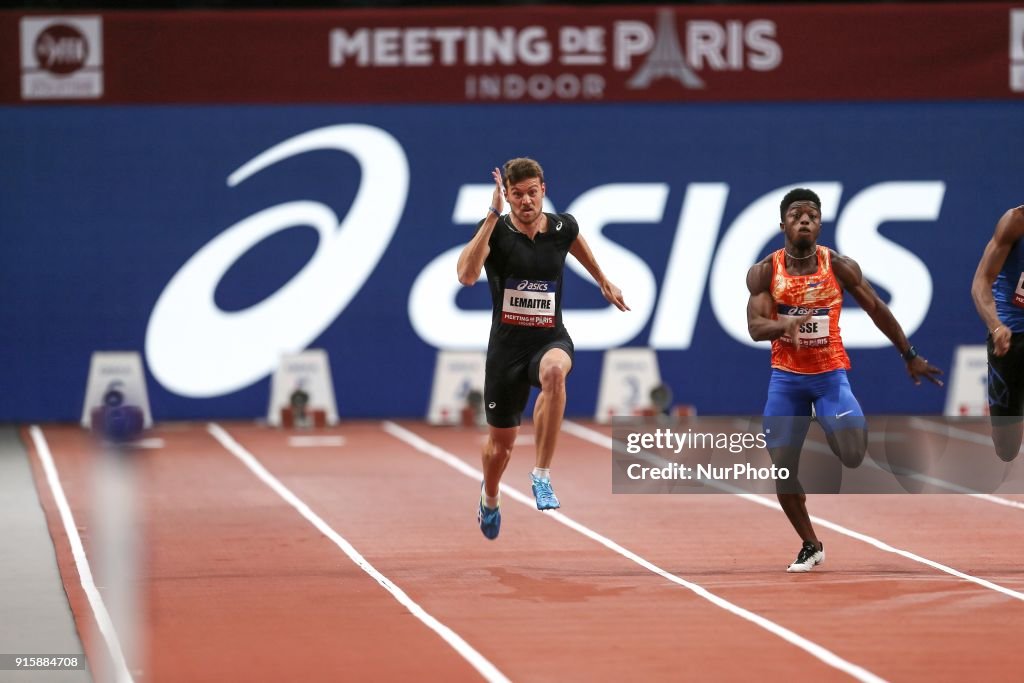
<point>520,169</point>
<point>799,194</point>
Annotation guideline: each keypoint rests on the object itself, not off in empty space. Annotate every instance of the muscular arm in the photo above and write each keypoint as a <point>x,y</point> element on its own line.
<point>473,255</point>
<point>1008,230</point>
<point>852,279</point>
<point>760,324</point>
<point>581,251</point>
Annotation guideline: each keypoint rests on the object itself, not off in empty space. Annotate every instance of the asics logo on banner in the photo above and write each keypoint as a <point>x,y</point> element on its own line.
<point>532,286</point>
<point>195,349</point>
<point>706,256</point>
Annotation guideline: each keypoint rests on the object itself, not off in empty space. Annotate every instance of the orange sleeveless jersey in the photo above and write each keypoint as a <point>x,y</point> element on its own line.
<point>821,347</point>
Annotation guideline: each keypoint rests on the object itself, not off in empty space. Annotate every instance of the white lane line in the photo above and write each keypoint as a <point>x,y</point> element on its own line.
<point>970,437</point>
<point>315,441</point>
<point>153,443</point>
<point>812,648</point>
<point>998,500</point>
<point>869,461</point>
<point>949,430</point>
<point>475,659</point>
<point>99,609</point>
<point>604,441</point>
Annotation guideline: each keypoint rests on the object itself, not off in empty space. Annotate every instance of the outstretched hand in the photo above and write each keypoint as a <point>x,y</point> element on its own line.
<point>498,198</point>
<point>918,367</point>
<point>614,295</point>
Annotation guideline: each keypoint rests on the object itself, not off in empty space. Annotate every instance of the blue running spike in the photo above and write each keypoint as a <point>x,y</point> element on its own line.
<point>489,518</point>
<point>543,494</point>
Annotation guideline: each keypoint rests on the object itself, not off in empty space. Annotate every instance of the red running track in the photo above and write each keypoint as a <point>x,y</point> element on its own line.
<point>235,584</point>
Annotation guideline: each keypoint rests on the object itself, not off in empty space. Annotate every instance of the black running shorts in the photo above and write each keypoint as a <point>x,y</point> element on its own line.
<point>1006,379</point>
<point>511,371</point>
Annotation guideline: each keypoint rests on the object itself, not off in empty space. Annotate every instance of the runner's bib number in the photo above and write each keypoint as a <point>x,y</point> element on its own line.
<point>1018,295</point>
<point>529,303</point>
<point>810,334</point>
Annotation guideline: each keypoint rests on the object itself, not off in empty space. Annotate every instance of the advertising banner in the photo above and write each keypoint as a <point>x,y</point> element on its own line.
<point>836,52</point>
<point>214,239</point>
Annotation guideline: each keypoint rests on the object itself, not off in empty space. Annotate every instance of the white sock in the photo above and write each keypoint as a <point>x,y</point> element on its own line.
<point>491,502</point>
<point>542,473</point>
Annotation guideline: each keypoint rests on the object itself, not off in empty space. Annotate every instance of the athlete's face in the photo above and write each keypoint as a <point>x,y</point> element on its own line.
<point>802,224</point>
<point>526,200</point>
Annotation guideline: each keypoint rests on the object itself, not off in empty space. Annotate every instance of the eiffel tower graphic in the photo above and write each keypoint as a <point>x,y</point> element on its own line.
<point>665,59</point>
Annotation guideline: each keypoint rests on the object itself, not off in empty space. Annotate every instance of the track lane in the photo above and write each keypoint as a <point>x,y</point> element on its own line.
<point>542,602</point>
<point>236,585</point>
<point>940,618</point>
<point>541,599</point>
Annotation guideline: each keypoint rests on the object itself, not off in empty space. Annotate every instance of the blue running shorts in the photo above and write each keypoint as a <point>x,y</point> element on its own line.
<point>787,411</point>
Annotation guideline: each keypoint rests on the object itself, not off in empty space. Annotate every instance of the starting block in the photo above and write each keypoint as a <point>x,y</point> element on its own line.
<point>292,418</point>
<point>683,410</point>
<point>116,402</point>
<point>302,391</point>
<point>968,382</point>
<point>457,394</point>
<point>628,376</point>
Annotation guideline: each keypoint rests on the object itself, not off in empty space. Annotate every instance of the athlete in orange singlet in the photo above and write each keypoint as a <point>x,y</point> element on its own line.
<point>796,295</point>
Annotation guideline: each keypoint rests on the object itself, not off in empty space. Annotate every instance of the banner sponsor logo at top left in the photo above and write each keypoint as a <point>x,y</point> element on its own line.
<point>61,57</point>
